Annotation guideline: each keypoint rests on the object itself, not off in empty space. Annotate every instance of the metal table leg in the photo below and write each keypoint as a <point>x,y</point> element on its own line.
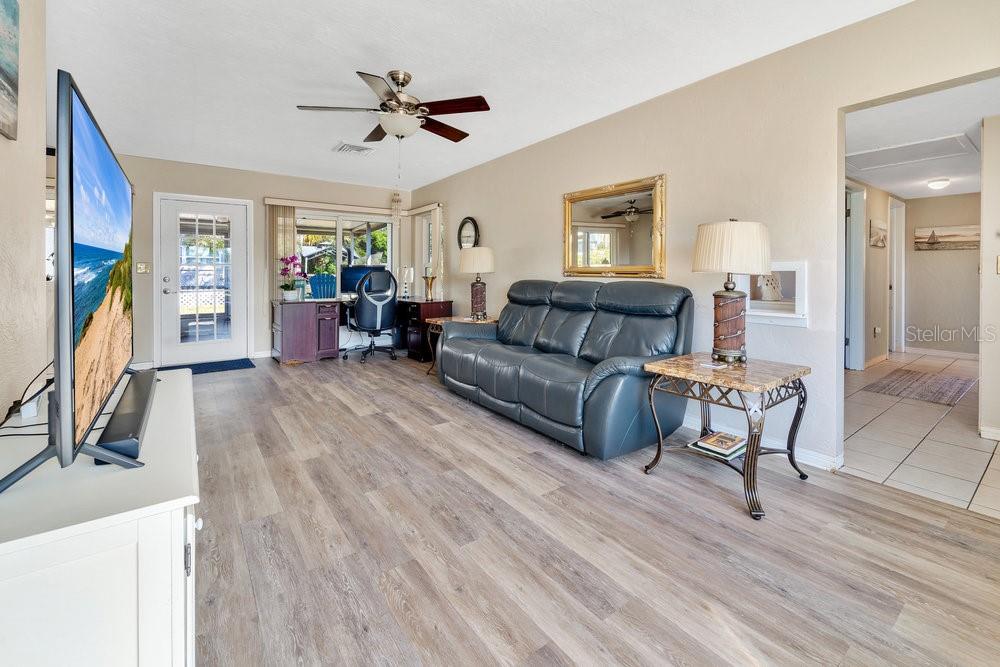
<point>656,421</point>
<point>793,430</point>
<point>754,406</point>
<point>706,419</point>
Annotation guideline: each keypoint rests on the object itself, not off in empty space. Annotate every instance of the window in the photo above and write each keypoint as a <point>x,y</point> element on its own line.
<point>594,248</point>
<point>318,250</point>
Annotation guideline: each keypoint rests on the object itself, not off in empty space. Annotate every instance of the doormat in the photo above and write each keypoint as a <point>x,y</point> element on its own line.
<point>213,366</point>
<point>930,387</point>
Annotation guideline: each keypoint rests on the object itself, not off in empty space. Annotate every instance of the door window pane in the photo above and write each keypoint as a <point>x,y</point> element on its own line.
<point>205,279</point>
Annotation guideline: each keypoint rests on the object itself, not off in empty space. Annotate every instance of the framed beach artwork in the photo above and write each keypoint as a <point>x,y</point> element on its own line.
<point>878,233</point>
<point>958,237</point>
<point>9,30</point>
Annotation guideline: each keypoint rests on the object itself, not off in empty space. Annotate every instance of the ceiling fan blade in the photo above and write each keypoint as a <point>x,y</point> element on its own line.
<point>310,107</point>
<point>612,215</point>
<point>442,130</point>
<point>380,86</point>
<point>457,105</point>
<point>377,134</point>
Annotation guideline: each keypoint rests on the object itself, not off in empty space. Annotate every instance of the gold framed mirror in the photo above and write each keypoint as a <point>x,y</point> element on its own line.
<point>616,230</point>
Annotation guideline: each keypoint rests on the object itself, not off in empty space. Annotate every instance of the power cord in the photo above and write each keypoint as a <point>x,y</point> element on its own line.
<point>16,405</point>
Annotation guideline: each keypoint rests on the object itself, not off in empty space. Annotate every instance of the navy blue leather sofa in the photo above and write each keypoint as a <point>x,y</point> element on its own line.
<point>566,360</point>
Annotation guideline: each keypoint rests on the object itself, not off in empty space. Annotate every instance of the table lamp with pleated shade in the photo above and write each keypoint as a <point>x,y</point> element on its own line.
<point>477,260</point>
<point>734,246</point>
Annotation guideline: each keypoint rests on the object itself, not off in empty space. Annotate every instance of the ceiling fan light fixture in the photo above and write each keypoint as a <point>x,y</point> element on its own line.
<point>939,183</point>
<point>399,124</point>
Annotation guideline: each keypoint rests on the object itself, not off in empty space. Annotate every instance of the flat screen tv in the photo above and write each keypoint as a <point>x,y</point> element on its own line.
<point>93,313</point>
<point>94,272</point>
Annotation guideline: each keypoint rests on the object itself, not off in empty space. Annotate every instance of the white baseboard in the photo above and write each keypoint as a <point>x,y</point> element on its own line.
<point>802,455</point>
<point>260,354</point>
<point>989,432</point>
<point>940,353</point>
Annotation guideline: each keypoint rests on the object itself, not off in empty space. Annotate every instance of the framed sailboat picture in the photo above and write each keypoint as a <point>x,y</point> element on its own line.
<point>958,237</point>
<point>9,36</point>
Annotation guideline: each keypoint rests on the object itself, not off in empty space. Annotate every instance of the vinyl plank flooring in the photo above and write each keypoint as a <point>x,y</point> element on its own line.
<point>365,515</point>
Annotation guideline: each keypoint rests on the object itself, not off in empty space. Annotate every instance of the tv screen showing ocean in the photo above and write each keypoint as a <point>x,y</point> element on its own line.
<point>91,270</point>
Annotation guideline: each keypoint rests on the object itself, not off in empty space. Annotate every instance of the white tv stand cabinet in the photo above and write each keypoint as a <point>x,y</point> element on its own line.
<point>97,562</point>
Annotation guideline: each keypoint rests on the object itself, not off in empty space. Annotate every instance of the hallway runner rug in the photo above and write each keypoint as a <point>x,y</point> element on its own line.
<point>930,387</point>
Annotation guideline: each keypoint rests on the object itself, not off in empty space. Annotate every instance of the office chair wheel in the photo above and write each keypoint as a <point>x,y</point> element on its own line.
<point>345,356</point>
<point>392,355</point>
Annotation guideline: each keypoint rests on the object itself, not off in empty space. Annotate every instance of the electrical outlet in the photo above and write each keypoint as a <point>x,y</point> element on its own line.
<point>143,267</point>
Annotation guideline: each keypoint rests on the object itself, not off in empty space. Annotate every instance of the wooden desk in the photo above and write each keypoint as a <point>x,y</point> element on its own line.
<point>305,330</point>
<point>412,316</point>
<point>752,387</point>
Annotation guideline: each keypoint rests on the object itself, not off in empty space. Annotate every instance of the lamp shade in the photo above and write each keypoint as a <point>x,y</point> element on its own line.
<point>475,260</point>
<point>734,246</point>
<point>398,123</point>
<point>408,274</point>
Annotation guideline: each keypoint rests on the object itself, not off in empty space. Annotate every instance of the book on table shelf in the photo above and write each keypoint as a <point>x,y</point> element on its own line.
<point>720,444</point>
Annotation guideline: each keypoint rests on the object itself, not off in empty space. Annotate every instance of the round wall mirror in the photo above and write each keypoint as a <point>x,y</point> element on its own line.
<point>468,233</point>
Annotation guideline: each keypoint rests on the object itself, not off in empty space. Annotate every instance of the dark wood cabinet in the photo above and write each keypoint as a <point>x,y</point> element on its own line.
<point>411,317</point>
<point>305,330</point>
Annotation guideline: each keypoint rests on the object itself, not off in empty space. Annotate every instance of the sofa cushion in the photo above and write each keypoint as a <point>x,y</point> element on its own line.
<point>552,385</point>
<point>531,292</point>
<point>519,324</point>
<point>458,358</point>
<point>614,335</point>
<point>573,306</point>
<point>562,331</point>
<point>641,297</point>
<point>497,368</point>
<point>528,304</point>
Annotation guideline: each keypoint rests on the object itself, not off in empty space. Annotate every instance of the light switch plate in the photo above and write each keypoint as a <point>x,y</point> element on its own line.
<point>143,267</point>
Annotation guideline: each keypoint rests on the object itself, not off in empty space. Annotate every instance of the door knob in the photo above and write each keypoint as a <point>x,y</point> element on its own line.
<point>167,290</point>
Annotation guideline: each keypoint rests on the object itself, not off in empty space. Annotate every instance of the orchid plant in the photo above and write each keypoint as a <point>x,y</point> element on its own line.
<point>291,270</point>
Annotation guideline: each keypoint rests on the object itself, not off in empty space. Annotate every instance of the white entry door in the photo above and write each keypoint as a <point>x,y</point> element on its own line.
<point>202,281</point>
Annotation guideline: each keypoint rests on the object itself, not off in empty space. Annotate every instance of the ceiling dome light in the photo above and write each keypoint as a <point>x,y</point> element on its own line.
<point>399,124</point>
<point>939,183</point>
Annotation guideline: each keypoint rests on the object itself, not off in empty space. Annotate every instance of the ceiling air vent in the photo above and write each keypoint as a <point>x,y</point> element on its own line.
<point>353,149</point>
<point>933,149</point>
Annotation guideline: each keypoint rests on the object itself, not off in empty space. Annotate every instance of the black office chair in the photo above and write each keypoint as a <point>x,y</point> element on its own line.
<point>375,310</point>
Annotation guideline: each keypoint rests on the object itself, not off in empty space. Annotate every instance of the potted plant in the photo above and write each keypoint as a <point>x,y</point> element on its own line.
<point>291,272</point>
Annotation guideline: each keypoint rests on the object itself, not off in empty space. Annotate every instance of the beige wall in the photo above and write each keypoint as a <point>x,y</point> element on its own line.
<point>876,279</point>
<point>762,142</point>
<point>942,286</point>
<point>22,209</point>
<point>150,175</point>
<point>989,304</point>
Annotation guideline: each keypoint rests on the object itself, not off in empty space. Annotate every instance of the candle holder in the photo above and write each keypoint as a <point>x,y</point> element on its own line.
<point>429,288</point>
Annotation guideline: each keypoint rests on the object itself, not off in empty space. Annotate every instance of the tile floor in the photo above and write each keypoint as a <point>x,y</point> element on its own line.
<point>925,448</point>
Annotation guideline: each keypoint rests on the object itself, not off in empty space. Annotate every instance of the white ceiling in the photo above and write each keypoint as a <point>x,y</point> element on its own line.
<point>955,111</point>
<point>216,82</point>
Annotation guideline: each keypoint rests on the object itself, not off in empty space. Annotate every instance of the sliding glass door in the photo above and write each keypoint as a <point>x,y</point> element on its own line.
<point>345,247</point>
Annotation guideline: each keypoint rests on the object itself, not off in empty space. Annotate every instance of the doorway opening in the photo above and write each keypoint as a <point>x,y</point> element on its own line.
<point>912,296</point>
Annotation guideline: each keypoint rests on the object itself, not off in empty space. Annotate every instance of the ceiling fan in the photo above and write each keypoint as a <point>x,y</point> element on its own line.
<point>631,213</point>
<point>400,114</point>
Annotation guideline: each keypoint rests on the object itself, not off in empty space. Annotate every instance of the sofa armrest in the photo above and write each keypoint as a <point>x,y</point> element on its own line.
<point>618,366</point>
<point>480,330</point>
